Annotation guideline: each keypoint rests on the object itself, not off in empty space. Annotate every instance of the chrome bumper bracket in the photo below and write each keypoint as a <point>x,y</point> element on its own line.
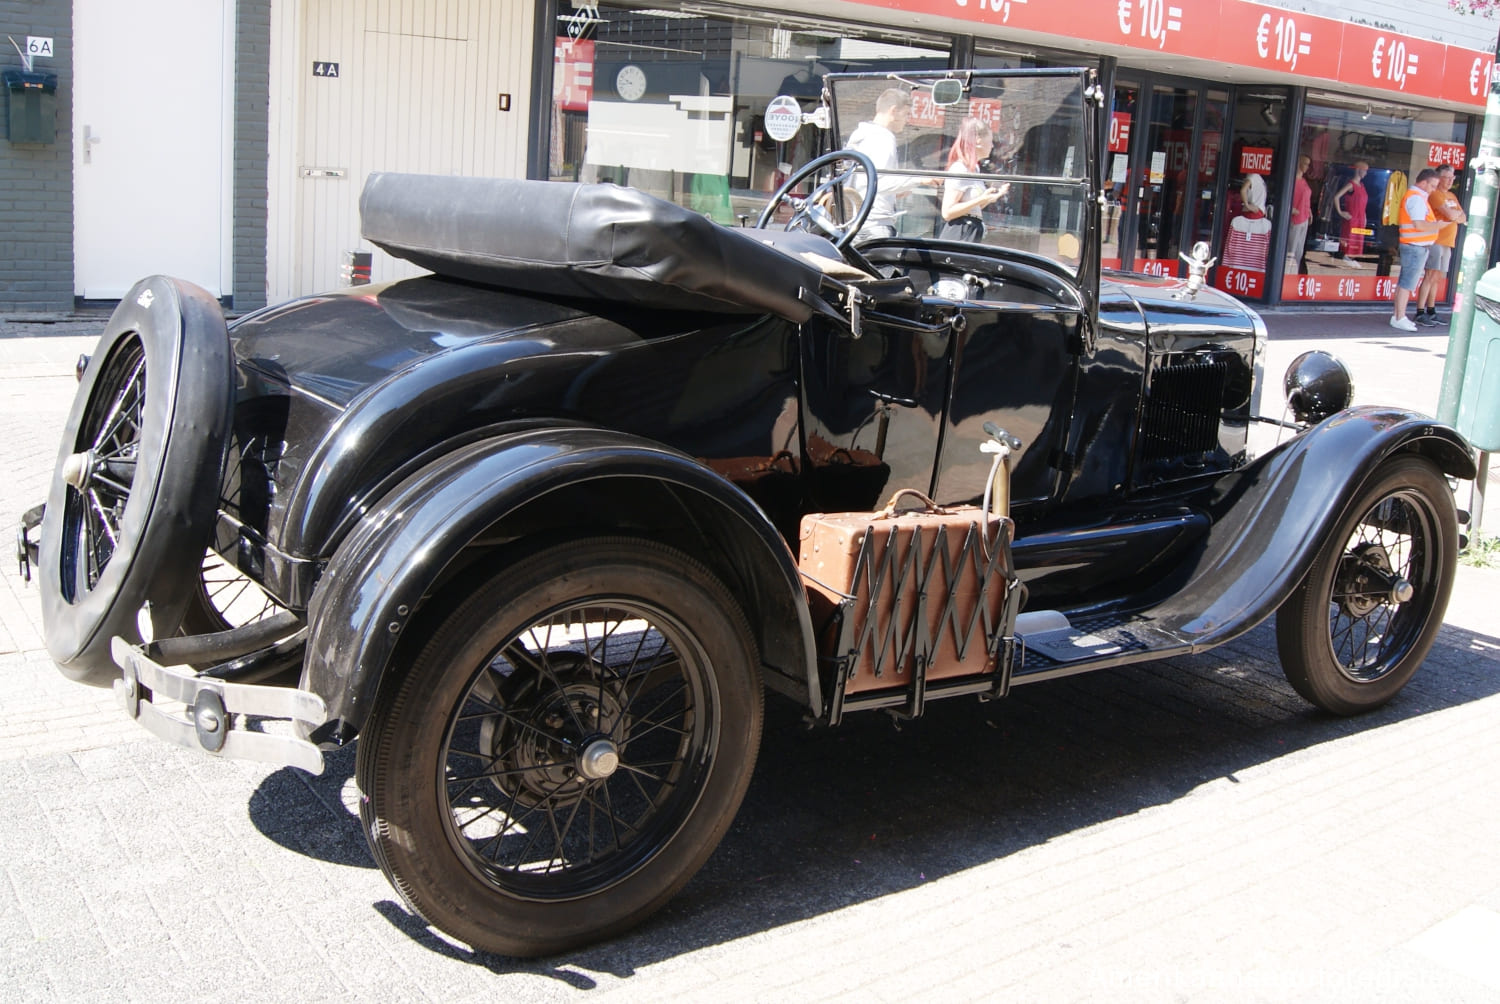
<point>213,718</point>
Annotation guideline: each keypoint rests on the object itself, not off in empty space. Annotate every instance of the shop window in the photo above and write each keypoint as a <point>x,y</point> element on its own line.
<point>1361,157</point>
<point>1122,118</point>
<point>1253,204</point>
<point>672,101</point>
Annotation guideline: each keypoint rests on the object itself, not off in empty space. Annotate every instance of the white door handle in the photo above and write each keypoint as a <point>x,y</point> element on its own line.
<point>89,139</point>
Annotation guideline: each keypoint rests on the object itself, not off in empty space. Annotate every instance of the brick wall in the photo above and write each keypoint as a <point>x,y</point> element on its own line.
<point>252,88</point>
<point>36,180</point>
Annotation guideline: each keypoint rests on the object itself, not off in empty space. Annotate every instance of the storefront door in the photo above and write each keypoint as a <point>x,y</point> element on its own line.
<point>1164,178</point>
<point>1253,202</point>
<point>1162,172</point>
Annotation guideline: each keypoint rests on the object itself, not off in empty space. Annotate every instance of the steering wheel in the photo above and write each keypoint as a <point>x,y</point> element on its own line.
<point>813,215</point>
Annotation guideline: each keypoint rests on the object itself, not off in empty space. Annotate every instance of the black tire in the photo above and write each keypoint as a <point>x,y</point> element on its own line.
<point>1349,636</point>
<point>132,503</point>
<point>490,798</point>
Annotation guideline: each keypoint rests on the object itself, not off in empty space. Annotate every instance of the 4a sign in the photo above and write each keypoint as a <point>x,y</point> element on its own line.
<point>325,69</point>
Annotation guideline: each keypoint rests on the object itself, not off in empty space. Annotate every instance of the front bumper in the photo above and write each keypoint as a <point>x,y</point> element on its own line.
<point>218,717</point>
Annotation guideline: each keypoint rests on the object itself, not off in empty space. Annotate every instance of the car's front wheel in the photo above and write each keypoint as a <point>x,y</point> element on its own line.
<point>566,750</point>
<point>1357,628</point>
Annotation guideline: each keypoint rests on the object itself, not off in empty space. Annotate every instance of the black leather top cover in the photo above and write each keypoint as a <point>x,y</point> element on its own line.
<point>590,242</point>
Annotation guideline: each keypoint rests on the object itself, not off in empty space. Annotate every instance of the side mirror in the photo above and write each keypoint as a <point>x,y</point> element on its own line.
<point>948,91</point>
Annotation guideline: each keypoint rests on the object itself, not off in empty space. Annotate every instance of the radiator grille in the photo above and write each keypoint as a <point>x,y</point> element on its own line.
<point>1182,410</point>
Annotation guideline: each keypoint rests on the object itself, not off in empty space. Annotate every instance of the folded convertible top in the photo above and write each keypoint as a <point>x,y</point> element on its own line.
<point>591,242</point>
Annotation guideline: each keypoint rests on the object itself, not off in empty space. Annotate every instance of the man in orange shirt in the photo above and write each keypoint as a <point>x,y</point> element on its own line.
<point>1446,208</point>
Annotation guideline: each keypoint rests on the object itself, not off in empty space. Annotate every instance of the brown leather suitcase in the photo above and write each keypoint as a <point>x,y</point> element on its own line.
<point>902,598</point>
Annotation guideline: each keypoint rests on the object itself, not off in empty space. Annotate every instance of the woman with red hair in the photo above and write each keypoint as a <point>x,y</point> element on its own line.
<point>963,198</point>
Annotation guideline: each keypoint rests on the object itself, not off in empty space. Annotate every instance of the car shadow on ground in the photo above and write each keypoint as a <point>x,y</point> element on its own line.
<point>838,817</point>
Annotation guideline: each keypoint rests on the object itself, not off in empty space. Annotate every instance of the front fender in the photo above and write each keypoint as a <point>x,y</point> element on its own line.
<point>376,581</point>
<point>1270,519</point>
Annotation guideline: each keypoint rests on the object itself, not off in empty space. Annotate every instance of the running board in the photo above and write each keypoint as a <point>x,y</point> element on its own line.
<point>1055,647</point>
<point>1081,647</point>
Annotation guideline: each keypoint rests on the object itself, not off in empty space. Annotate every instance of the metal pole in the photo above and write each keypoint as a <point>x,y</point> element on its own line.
<point>1475,250</point>
<point>1476,495</point>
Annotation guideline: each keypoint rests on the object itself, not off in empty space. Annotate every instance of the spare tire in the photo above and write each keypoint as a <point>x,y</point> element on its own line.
<point>134,496</point>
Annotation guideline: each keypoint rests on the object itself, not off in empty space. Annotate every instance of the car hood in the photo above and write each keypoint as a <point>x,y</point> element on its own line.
<point>1160,304</point>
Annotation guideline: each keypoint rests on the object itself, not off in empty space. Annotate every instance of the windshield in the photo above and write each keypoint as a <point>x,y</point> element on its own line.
<point>1004,165</point>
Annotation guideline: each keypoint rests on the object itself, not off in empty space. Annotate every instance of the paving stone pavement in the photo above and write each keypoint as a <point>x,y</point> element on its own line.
<point>1186,830</point>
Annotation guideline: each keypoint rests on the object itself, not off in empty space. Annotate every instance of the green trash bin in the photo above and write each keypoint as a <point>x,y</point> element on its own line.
<point>1479,401</point>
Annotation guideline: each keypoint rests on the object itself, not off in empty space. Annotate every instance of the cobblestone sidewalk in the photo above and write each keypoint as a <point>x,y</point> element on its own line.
<point>1187,830</point>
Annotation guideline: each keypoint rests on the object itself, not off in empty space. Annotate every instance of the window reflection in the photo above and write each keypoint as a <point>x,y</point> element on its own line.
<point>673,103</point>
<point>1361,156</point>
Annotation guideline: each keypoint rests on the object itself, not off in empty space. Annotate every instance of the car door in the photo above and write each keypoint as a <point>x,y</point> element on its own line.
<point>873,410</point>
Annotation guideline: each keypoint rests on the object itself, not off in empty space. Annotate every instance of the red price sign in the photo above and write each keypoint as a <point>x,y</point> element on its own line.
<point>1466,75</point>
<point>1256,160</point>
<point>1119,132</point>
<point>1240,282</point>
<point>986,110</point>
<point>924,111</point>
<point>573,75</point>
<point>1156,266</point>
<point>1450,154</point>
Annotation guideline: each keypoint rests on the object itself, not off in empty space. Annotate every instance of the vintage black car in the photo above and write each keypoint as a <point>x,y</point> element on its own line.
<point>529,526</point>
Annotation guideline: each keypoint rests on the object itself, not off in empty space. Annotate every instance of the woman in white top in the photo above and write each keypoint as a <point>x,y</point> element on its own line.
<point>963,198</point>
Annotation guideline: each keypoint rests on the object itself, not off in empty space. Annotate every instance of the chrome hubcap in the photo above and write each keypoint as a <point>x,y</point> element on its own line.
<point>599,759</point>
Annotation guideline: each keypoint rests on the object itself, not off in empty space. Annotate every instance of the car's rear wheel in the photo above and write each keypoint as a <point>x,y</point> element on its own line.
<point>567,749</point>
<point>131,505</point>
<point>1357,628</point>
<point>225,598</point>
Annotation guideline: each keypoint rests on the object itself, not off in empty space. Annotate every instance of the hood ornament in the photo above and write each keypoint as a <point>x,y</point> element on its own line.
<point>1198,264</point>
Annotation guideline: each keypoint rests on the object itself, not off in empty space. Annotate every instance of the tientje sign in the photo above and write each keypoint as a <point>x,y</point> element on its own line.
<point>1256,160</point>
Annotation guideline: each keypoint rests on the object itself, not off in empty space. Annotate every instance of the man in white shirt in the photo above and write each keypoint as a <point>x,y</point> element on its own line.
<point>876,139</point>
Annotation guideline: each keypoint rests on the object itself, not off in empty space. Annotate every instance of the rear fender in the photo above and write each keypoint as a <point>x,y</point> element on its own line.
<point>1271,518</point>
<point>372,590</point>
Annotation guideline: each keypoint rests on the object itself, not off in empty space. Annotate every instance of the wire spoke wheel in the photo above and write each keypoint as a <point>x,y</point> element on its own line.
<point>101,470</point>
<point>568,747</point>
<point>1369,610</point>
<point>226,597</point>
<point>131,508</point>
<point>578,749</point>
<point>1386,564</point>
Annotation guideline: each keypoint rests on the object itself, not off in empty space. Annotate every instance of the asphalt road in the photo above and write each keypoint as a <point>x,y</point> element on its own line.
<point>1183,830</point>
